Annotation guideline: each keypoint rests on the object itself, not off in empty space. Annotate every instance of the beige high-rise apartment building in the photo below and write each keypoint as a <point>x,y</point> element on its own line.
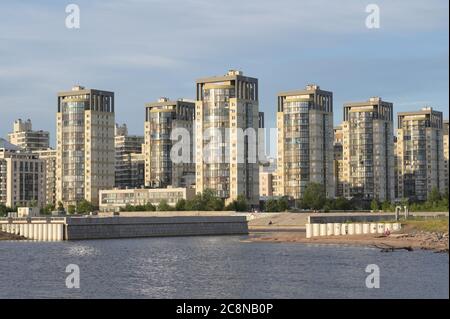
<point>85,145</point>
<point>24,136</point>
<point>265,184</point>
<point>22,177</point>
<point>226,132</point>
<point>130,164</point>
<point>162,119</point>
<point>446,151</point>
<point>305,141</point>
<point>338,161</point>
<point>368,156</point>
<point>48,156</point>
<point>420,153</point>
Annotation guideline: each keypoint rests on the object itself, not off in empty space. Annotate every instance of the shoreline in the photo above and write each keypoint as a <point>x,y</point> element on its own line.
<point>7,236</point>
<point>400,240</point>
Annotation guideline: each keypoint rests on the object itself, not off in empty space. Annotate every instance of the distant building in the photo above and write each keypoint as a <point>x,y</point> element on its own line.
<point>226,107</point>
<point>85,145</point>
<point>115,199</point>
<point>129,159</point>
<point>368,156</point>
<point>261,123</point>
<point>162,118</point>
<point>305,141</point>
<point>48,156</point>
<point>446,155</point>
<point>338,161</point>
<point>22,177</point>
<point>265,184</point>
<point>420,153</point>
<point>24,137</point>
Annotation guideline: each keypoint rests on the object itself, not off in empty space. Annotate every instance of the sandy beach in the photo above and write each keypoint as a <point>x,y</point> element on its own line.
<point>430,234</point>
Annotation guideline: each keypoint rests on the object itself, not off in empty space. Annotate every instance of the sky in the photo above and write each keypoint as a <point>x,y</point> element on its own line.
<point>143,50</point>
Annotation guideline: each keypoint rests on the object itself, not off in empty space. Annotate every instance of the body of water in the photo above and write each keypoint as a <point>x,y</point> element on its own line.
<point>215,267</point>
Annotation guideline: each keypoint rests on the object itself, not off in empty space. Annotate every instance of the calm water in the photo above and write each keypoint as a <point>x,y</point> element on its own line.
<point>215,267</point>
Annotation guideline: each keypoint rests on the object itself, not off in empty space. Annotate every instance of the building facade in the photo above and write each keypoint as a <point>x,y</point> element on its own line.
<point>227,120</point>
<point>305,141</point>
<point>420,153</point>
<point>338,149</point>
<point>446,151</point>
<point>368,153</point>
<point>48,156</point>
<point>22,177</point>
<point>24,136</point>
<point>85,145</point>
<point>163,119</point>
<point>115,199</point>
<point>130,166</point>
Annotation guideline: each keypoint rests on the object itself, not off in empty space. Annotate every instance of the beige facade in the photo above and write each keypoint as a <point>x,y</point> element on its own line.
<point>24,136</point>
<point>446,151</point>
<point>85,145</point>
<point>368,150</point>
<point>265,184</point>
<point>130,164</point>
<point>22,177</point>
<point>226,158</point>
<point>162,119</point>
<point>420,153</point>
<point>305,141</point>
<point>115,199</point>
<point>49,158</point>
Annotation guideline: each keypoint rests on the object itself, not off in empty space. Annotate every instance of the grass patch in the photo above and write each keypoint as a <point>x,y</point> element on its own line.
<point>428,224</point>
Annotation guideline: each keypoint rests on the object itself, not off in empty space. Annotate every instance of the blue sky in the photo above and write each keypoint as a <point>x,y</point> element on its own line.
<point>142,50</point>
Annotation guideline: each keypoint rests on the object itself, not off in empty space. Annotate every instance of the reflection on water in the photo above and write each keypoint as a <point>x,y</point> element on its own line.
<point>81,250</point>
<point>215,267</point>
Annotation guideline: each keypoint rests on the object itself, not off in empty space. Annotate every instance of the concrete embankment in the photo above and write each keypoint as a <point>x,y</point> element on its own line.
<point>93,227</point>
<point>131,227</point>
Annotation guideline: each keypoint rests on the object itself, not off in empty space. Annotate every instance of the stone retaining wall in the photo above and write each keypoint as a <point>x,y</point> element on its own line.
<point>131,227</point>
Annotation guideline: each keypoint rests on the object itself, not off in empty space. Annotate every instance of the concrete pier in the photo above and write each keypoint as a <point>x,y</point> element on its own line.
<point>348,229</point>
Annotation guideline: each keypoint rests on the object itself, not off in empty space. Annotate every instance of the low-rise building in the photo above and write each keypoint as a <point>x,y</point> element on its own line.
<point>115,199</point>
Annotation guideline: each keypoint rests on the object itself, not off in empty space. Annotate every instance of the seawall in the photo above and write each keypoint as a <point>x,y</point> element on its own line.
<point>79,228</point>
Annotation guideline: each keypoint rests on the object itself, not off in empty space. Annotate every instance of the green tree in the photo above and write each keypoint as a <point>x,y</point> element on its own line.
<point>386,206</point>
<point>314,196</point>
<point>71,209</point>
<point>283,204</point>
<point>271,205</point>
<point>60,207</point>
<point>84,207</point>
<point>434,196</point>
<point>164,206</point>
<point>342,203</point>
<point>149,207</point>
<point>375,205</point>
<point>181,205</point>
<point>3,210</point>
<point>239,205</point>
<point>47,209</point>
